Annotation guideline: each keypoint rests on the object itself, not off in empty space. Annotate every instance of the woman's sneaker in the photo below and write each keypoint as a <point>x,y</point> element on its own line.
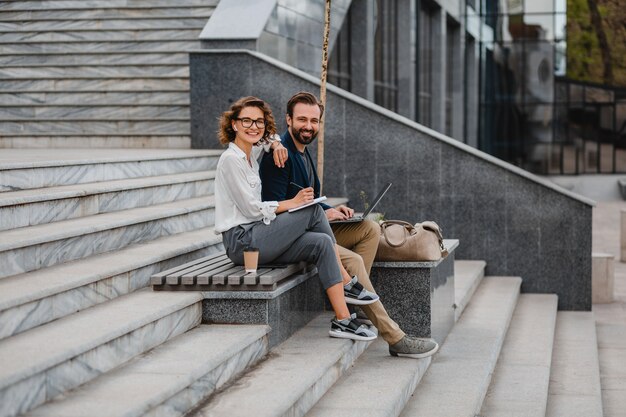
<point>356,294</point>
<point>350,328</point>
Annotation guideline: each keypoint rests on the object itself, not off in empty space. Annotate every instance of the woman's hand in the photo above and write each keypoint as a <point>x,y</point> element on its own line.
<point>304,196</point>
<point>280,154</point>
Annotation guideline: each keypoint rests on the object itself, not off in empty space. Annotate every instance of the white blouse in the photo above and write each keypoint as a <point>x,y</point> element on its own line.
<point>238,190</point>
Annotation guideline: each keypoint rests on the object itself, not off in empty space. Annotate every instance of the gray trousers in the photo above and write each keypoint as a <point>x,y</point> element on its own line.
<point>303,235</point>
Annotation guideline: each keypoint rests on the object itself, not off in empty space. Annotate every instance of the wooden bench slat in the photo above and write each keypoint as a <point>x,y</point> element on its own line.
<point>253,279</point>
<point>190,277</point>
<point>202,265</point>
<point>278,274</point>
<point>205,278</point>
<point>237,277</point>
<point>220,279</point>
<point>188,264</point>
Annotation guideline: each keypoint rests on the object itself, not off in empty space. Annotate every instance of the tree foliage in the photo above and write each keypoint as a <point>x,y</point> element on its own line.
<point>584,54</point>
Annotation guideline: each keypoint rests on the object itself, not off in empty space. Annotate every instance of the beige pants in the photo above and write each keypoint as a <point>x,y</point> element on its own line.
<point>358,244</point>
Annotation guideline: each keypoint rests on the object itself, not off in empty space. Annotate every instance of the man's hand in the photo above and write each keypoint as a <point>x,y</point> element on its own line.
<point>280,155</point>
<point>340,213</point>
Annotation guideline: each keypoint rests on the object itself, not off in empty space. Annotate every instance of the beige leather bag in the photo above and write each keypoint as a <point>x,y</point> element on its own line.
<point>402,241</point>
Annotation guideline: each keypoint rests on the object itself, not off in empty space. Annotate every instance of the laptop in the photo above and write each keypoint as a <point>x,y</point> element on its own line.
<point>357,219</point>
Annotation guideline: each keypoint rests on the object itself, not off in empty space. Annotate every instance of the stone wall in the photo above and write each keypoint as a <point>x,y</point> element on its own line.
<point>519,224</point>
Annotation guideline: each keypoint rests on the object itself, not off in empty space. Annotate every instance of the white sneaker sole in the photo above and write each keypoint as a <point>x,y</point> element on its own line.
<point>356,302</point>
<point>346,335</point>
<point>417,355</point>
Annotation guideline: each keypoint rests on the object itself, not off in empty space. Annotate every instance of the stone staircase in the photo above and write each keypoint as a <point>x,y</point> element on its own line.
<point>98,73</point>
<point>81,335</point>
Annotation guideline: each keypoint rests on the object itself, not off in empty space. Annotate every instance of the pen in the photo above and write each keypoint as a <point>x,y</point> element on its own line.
<point>293,183</point>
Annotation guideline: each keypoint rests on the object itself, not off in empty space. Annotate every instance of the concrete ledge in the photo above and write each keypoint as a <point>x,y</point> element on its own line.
<point>419,295</point>
<point>602,277</point>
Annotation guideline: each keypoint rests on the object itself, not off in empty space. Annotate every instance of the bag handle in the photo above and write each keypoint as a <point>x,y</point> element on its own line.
<point>408,227</point>
<point>434,227</point>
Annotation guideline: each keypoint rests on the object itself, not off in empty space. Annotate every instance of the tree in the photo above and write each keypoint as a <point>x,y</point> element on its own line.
<point>323,77</point>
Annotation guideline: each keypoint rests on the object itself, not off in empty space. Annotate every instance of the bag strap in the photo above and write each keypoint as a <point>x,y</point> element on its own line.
<point>408,227</point>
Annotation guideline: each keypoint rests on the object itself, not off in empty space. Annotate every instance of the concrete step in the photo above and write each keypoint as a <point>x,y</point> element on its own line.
<point>96,141</point>
<point>292,379</point>
<point>91,4</point>
<point>35,298</point>
<point>574,376</point>
<point>63,25</point>
<point>171,378</point>
<point>100,12</point>
<point>106,98</point>
<point>612,356</point>
<point>456,382</point>
<point>22,169</point>
<point>99,35</point>
<point>97,58</point>
<point>122,84</point>
<point>377,385</point>
<point>103,46</point>
<point>42,363</point>
<point>163,126</point>
<point>83,72</point>
<point>35,247</point>
<point>51,204</point>
<point>92,112</point>
<point>467,277</point>
<point>519,386</point>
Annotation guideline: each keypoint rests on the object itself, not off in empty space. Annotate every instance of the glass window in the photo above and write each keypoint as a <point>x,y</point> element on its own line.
<point>339,62</point>
<point>385,50</point>
<point>424,65</point>
<point>538,72</point>
<point>538,6</point>
<point>452,37</point>
<point>539,26</point>
<point>560,23</point>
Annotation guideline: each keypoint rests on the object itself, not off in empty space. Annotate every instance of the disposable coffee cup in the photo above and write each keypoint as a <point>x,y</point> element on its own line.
<point>251,259</point>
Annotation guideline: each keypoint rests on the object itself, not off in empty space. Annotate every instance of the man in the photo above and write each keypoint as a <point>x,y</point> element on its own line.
<point>358,241</point>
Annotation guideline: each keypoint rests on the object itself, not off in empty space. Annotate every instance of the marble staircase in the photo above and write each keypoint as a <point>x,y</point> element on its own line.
<point>80,334</point>
<point>97,73</point>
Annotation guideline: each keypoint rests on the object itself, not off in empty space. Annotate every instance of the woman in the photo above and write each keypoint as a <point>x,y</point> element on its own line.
<point>244,220</point>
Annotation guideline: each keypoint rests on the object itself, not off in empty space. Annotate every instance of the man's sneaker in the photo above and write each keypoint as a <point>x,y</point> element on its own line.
<point>356,294</point>
<point>413,347</point>
<point>350,328</point>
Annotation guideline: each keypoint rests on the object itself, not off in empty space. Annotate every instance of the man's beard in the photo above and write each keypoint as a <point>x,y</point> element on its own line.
<point>299,138</point>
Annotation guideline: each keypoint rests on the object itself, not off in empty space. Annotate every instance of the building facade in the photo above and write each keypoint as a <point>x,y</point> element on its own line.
<point>492,74</point>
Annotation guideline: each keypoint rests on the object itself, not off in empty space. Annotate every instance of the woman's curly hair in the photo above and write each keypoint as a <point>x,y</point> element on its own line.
<point>226,133</point>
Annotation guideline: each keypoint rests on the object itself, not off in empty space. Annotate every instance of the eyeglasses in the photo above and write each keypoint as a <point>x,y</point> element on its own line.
<point>247,122</point>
